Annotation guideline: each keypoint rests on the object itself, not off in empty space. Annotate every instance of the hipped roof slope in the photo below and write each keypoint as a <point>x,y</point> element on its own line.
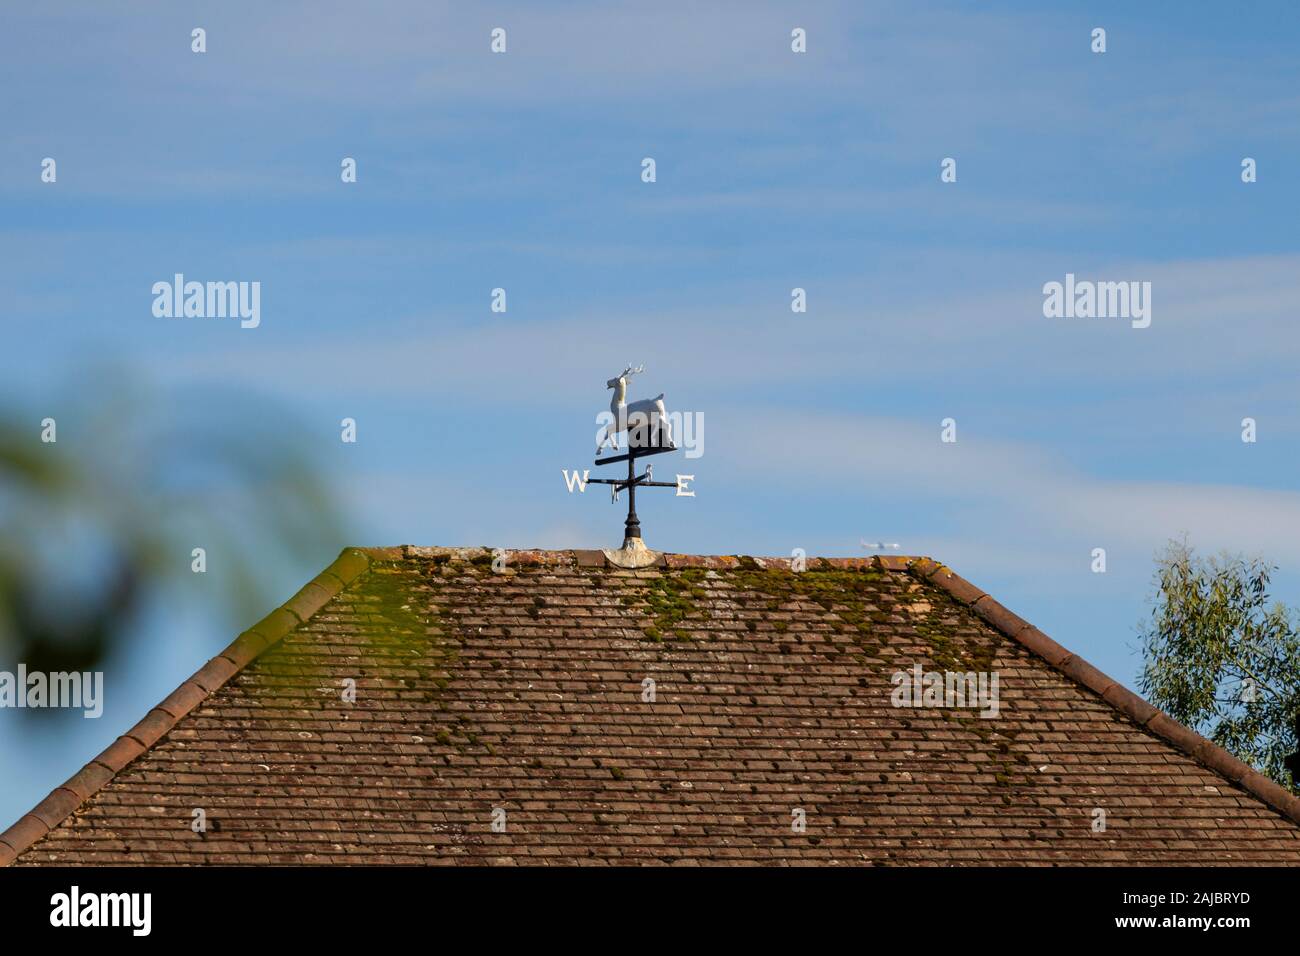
<point>558,709</point>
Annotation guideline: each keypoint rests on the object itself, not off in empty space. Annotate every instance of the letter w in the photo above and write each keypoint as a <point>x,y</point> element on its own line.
<point>573,479</point>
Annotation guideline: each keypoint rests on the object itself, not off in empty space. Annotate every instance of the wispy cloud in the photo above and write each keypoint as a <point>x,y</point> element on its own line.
<point>1218,317</point>
<point>1013,492</point>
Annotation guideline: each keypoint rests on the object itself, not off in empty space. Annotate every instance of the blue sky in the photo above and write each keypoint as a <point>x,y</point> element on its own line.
<point>774,171</point>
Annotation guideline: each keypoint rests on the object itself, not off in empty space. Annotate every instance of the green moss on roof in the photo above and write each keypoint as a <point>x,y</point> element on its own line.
<point>418,619</point>
<point>670,600</point>
<point>850,594</point>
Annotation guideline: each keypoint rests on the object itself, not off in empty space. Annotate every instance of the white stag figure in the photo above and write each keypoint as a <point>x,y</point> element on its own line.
<point>647,411</point>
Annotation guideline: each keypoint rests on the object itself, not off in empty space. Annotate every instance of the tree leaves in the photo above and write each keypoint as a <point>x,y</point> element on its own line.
<point>1223,660</point>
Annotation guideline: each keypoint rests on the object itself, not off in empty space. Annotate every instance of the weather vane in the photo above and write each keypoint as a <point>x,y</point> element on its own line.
<point>647,430</point>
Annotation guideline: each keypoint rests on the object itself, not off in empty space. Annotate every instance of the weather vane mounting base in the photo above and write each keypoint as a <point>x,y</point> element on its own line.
<point>634,554</point>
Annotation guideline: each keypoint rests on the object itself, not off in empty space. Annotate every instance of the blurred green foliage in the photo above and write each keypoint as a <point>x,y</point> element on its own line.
<point>93,523</point>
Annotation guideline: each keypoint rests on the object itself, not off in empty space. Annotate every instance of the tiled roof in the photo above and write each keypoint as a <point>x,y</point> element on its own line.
<point>526,691</point>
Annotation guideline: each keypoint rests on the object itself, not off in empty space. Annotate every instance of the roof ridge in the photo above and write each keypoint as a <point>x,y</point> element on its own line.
<point>66,798</point>
<point>1145,715</point>
<point>596,558</point>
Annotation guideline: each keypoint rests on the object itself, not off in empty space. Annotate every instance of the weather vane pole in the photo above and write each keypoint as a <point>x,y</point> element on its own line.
<point>647,431</point>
